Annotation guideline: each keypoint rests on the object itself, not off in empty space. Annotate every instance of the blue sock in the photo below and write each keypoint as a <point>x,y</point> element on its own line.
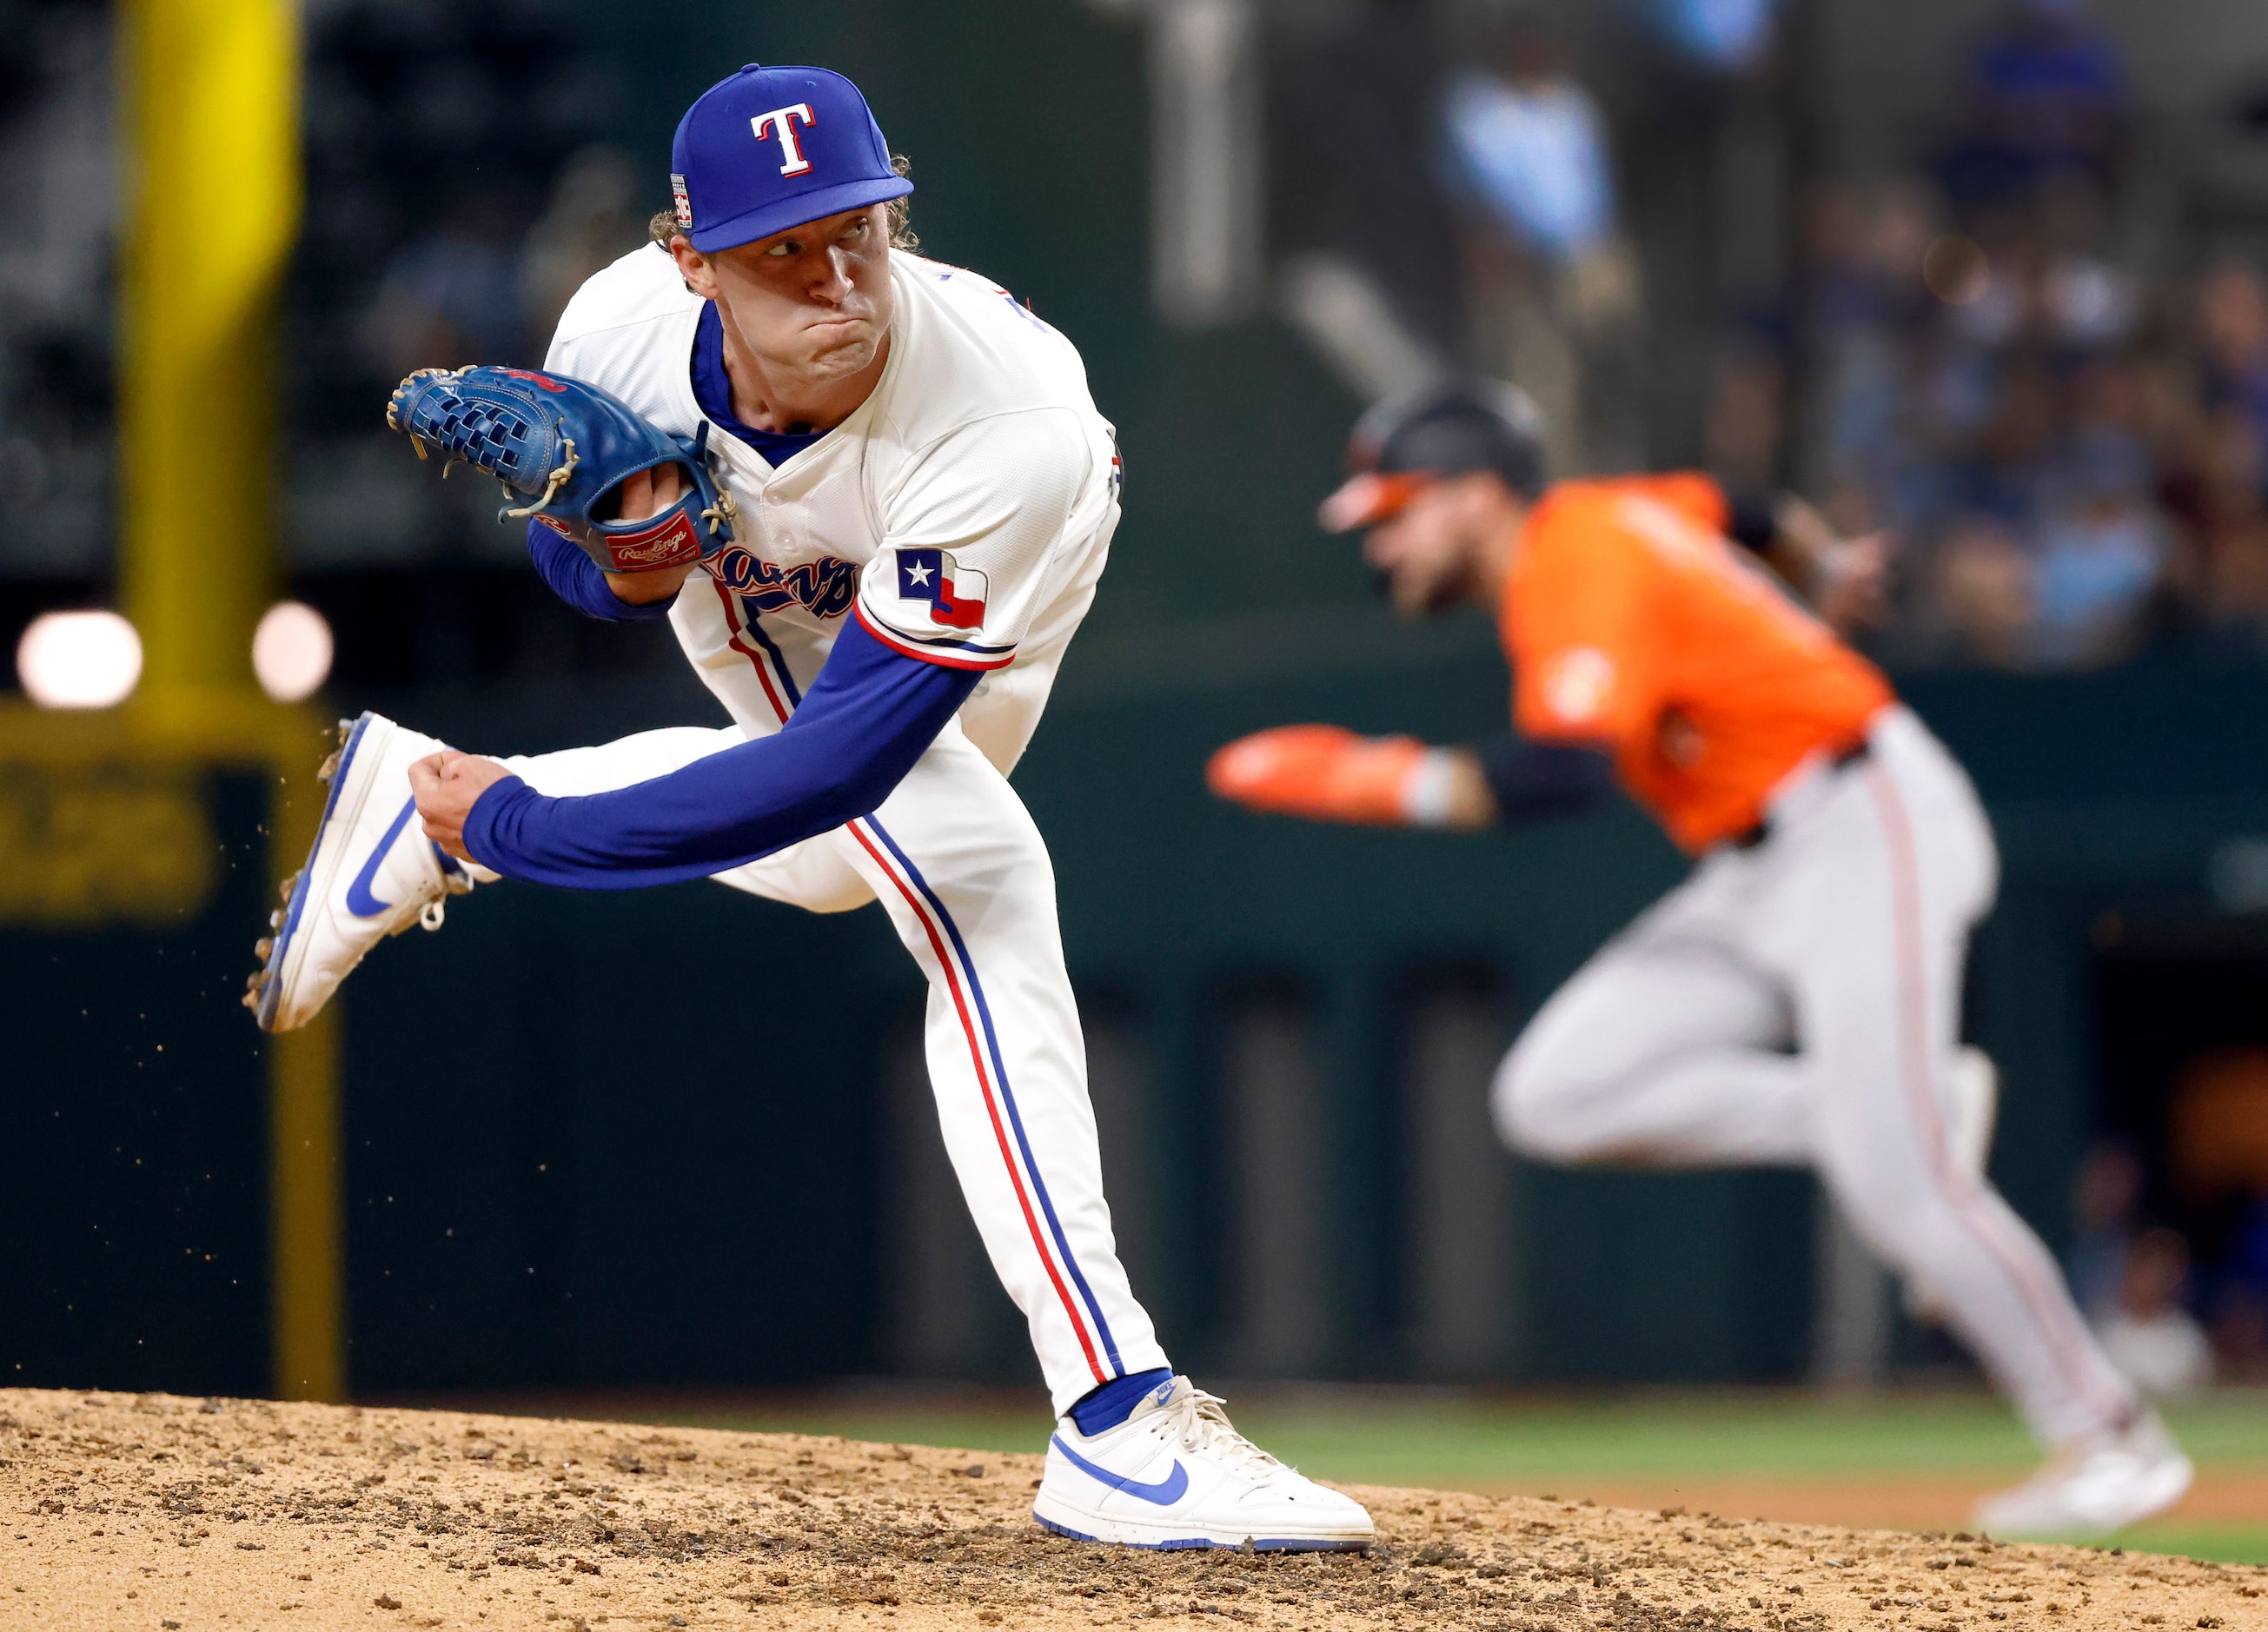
<point>1112,1403</point>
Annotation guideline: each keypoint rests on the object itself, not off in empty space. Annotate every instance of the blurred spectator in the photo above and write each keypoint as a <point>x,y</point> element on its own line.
<point>1984,592</point>
<point>2086,303</point>
<point>1866,253</point>
<point>2106,1199</point>
<point>448,299</point>
<point>2047,95</point>
<point>2212,439</point>
<point>1552,290</point>
<point>2240,1335</point>
<point>2007,469</point>
<point>2240,1325</point>
<point>2217,1158</point>
<point>1528,146</point>
<point>1352,134</point>
<point>2100,550</point>
<point>2232,326</point>
<point>1981,379</point>
<point>1985,404</point>
<point>592,219</point>
<point>2148,1334</point>
<point>1724,36</point>
<point>1747,416</point>
<point>2232,593</point>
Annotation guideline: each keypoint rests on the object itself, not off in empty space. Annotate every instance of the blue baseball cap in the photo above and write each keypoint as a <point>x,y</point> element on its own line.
<point>772,148</point>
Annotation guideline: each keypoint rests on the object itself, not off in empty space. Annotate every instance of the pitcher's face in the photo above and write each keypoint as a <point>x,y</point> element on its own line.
<point>814,301</point>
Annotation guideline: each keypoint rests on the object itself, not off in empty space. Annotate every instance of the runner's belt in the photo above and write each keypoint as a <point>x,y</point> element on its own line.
<point>1855,754</point>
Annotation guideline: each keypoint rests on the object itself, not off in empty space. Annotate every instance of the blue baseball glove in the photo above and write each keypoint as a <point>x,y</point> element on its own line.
<point>562,447</point>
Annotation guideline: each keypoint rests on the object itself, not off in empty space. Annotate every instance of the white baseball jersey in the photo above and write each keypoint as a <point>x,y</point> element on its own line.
<point>965,505</point>
<point>963,513</point>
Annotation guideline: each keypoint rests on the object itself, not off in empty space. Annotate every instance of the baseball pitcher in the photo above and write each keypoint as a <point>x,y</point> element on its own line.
<point>873,497</point>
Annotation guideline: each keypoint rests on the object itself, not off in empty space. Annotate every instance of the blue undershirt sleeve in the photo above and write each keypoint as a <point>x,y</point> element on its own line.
<point>864,721</point>
<point>577,579</point>
<point>1538,781</point>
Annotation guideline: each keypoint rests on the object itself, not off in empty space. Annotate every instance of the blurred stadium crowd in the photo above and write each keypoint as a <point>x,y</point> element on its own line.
<point>2068,437</point>
<point>458,190</point>
<point>2033,346</point>
<point>2030,349</point>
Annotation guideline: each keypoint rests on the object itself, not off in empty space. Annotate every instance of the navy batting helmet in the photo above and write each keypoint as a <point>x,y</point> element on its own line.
<point>1443,430</point>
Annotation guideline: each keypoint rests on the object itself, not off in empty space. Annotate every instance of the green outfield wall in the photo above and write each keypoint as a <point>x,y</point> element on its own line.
<point>640,1139</point>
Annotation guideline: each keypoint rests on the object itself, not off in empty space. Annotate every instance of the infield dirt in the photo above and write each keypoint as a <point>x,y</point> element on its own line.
<point>177,1515</point>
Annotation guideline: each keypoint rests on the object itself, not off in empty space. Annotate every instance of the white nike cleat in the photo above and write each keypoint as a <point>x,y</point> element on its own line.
<point>1973,1108</point>
<point>2094,1487</point>
<point>1174,1474</point>
<point>373,873</point>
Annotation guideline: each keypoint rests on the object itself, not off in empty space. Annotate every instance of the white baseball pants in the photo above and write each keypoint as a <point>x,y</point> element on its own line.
<point>954,857</point>
<point>1798,1004</point>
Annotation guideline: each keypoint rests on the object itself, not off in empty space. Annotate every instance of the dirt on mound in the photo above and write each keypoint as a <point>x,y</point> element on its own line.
<point>152,1512</point>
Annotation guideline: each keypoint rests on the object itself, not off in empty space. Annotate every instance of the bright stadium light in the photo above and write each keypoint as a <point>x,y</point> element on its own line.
<point>292,650</point>
<point>78,659</point>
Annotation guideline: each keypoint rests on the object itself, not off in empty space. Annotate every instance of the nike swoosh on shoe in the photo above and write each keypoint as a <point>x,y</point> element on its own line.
<point>360,901</point>
<point>1165,1493</point>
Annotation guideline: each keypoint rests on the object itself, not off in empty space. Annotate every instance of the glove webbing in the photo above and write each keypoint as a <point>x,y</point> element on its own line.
<point>481,435</point>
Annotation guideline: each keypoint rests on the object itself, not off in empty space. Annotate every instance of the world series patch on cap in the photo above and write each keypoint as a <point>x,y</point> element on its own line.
<point>772,148</point>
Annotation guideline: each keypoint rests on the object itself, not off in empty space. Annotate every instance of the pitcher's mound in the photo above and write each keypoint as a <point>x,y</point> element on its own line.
<point>152,1511</point>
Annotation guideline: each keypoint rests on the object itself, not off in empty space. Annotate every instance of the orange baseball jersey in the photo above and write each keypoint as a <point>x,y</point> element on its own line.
<point>1633,624</point>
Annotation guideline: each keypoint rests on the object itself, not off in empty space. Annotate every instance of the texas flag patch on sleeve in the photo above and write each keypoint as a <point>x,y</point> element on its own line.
<point>924,603</point>
<point>954,593</point>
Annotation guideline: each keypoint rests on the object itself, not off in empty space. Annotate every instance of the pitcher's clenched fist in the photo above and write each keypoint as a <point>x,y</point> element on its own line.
<point>446,785</point>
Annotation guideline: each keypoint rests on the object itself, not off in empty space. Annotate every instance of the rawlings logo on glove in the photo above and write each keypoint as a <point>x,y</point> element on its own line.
<point>563,448</point>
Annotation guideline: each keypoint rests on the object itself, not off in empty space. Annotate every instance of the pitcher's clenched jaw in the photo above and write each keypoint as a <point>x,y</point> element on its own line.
<point>812,305</point>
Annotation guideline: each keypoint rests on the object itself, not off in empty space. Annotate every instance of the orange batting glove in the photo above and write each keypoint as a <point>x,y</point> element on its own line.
<point>1325,773</point>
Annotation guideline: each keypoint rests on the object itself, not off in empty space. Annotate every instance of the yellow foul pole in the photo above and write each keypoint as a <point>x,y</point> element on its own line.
<point>209,107</point>
<point>212,125</point>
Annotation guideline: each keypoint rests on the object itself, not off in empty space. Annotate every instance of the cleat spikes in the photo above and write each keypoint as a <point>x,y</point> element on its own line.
<point>254,980</point>
<point>251,1000</point>
<point>261,947</point>
<point>329,768</point>
<point>276,919</point>
<point>285,888</point>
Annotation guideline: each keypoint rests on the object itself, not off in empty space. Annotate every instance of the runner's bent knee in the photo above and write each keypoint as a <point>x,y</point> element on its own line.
<point>1537,1095</point>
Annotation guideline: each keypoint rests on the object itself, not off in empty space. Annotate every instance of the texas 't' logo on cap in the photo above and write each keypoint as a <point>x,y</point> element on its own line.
<point>772,148</point>
<point>784,121</point>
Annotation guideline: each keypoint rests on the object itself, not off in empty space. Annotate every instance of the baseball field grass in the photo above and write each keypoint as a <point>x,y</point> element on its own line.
<point>1897,1460</point>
